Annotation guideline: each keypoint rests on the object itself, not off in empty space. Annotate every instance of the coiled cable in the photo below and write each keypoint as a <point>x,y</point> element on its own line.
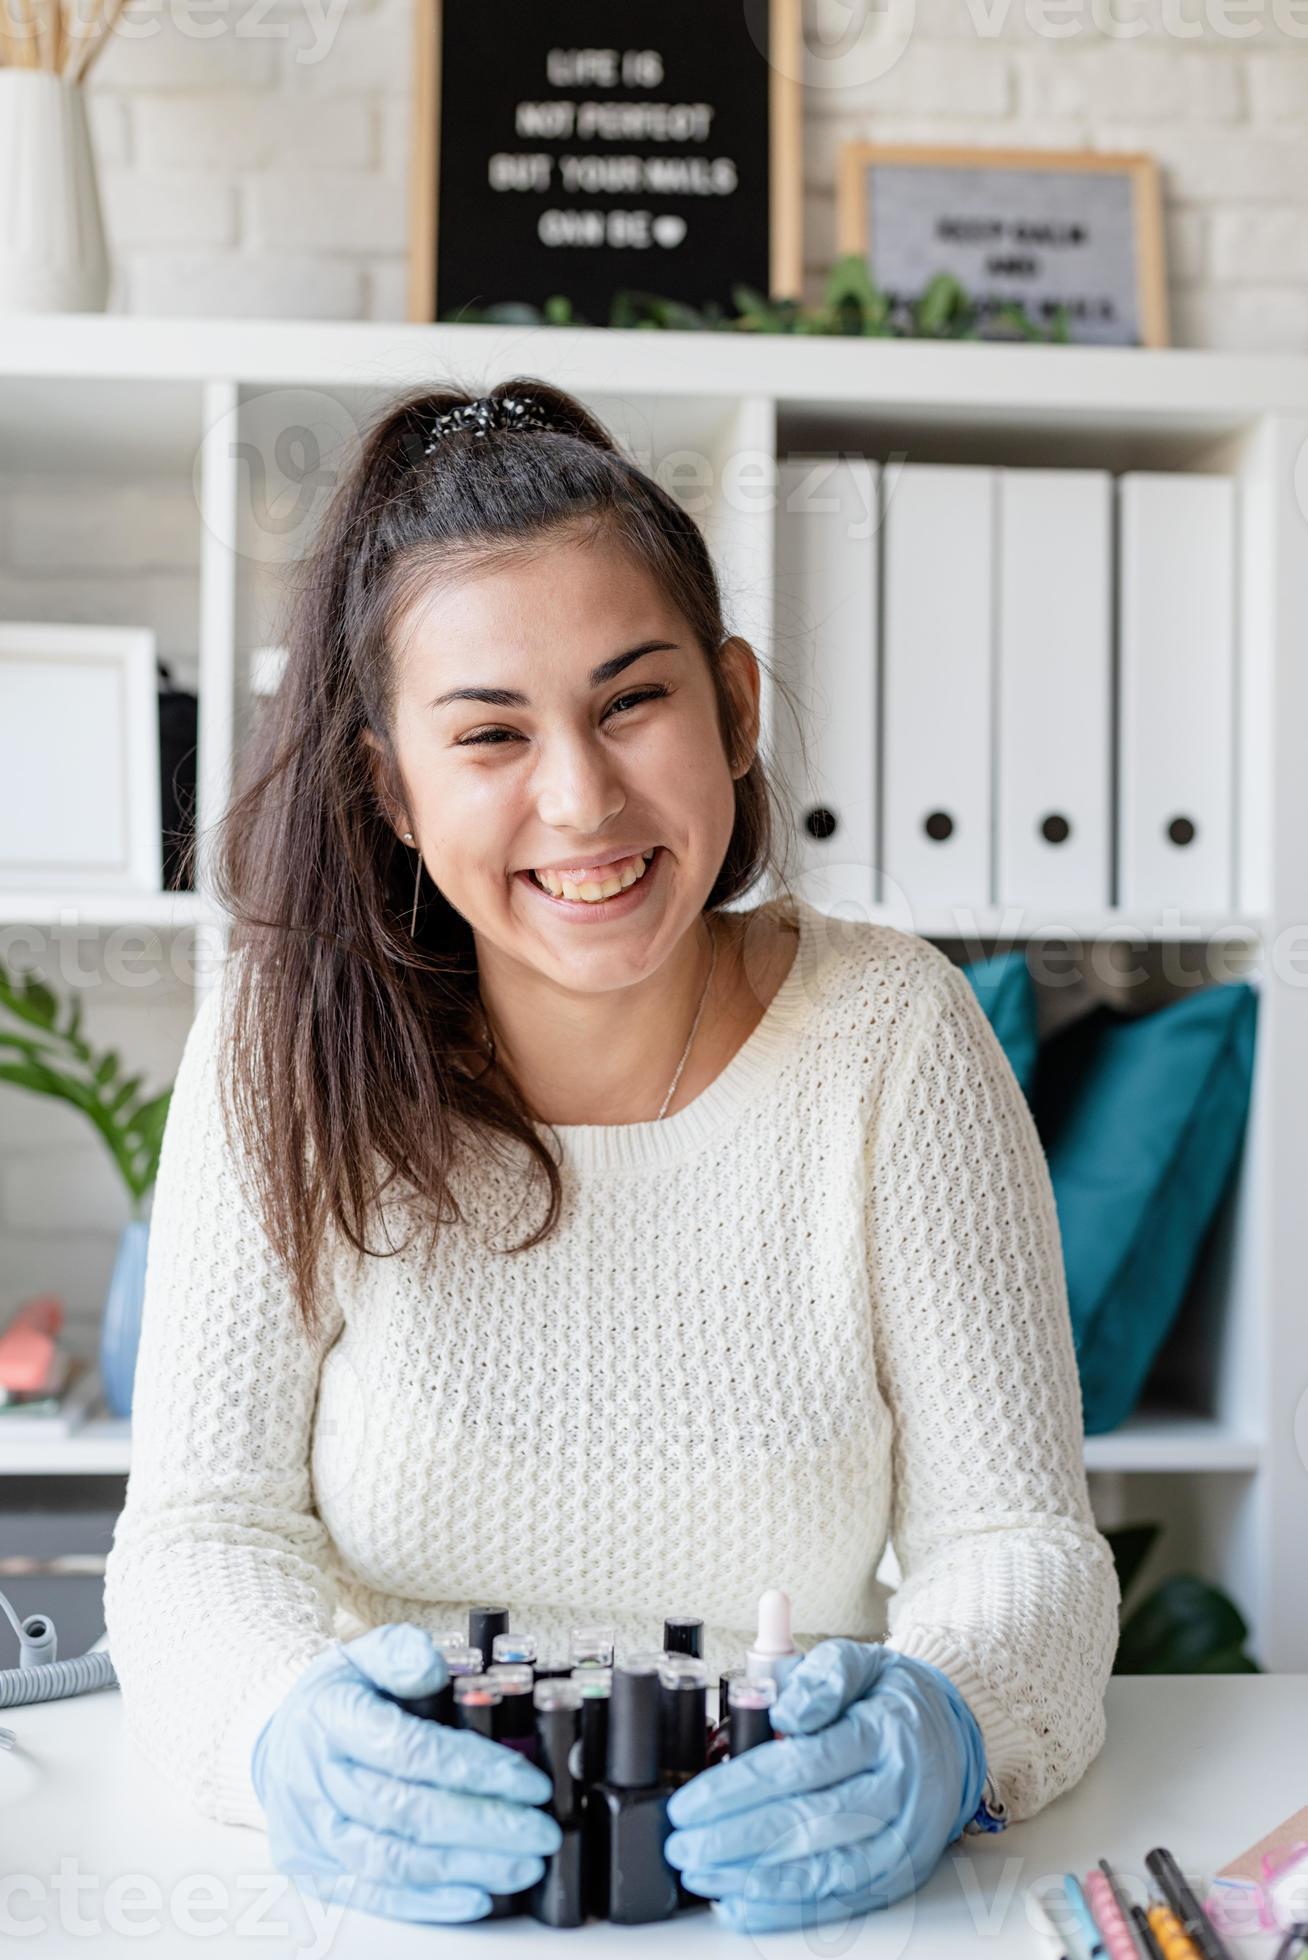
<point>39,1676</point>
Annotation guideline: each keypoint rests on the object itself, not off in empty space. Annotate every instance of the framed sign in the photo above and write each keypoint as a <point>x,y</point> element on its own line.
<point>1080,229</point>
<point>79,758</point>
<point>578,148</point>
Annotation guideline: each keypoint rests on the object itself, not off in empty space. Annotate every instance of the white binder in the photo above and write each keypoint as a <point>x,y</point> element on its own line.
<point>938,605</point>
<point>1176,540</point>
<point>825,636</point>
<point>1053,782</point>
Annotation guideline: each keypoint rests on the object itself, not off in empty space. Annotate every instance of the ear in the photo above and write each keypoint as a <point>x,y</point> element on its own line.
<point>740,672</point>
<point>382,773</point>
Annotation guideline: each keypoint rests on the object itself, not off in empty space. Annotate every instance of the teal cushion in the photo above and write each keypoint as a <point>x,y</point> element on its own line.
<point>1142,1117</point>
<point>1005,989</point>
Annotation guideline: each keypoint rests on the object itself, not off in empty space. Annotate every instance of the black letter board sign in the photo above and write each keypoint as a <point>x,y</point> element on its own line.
<point>575,147</point>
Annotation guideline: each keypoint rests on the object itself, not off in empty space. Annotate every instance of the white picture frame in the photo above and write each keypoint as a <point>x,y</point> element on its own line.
<point>79,758</point>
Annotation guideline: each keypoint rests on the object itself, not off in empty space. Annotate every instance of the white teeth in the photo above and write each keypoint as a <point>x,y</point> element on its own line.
<point>588,890</point>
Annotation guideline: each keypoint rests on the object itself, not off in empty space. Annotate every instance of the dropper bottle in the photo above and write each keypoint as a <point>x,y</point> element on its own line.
<point>774,1655</point>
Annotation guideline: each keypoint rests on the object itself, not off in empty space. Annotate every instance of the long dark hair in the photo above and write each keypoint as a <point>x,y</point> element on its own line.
<point>351,1058</point>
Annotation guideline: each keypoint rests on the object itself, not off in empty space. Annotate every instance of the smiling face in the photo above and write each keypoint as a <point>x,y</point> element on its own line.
<point>602,749</point>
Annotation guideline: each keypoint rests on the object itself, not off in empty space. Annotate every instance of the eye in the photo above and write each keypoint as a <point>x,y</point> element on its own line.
<point>489,736</point>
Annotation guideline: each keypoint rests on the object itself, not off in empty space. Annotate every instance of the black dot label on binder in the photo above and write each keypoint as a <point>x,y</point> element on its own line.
<point>938,826</point>
<point>1055,829</point>
<point>1181,830</point>
<point>821,822</point>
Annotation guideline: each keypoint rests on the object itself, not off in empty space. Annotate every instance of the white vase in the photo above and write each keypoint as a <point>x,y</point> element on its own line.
<point>52,249</point>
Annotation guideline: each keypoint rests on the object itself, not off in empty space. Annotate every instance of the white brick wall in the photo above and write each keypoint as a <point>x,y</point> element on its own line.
<point>265,170</point>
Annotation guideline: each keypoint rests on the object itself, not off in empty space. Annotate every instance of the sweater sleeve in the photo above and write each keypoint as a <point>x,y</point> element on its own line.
<point>1007,1585</point>
<point>217,1584</point>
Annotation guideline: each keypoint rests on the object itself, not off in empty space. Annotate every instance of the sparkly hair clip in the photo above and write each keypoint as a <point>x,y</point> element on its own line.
<point>489,412</point>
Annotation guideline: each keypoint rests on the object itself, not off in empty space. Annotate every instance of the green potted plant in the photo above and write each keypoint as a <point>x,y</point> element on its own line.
<point>851,303</point>
<point>42,1050</point>
<point>1183,1626</point>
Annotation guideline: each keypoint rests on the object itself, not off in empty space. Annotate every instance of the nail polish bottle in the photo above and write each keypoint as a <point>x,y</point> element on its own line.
<point>558,1898</point>
<point>439,1706</point>
<point>683,1733</point>
<point>750,1719</point>
<point>682,1635</point>
<point>592,1646</point>
<point>477,1702</point>
<point>484,1622</point>
<point>515,1649</point>
<point>628,1812</point>
<point>517,1721</point>
<point>720,1738</point>
<point>595,1684</point>
<point>683,1722</point>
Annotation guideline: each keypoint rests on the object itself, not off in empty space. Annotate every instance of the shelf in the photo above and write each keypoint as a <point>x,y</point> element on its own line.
<point>100,1448</point>
<point>1150,1440</point>
<point>1019,923</point>
<point>1073,386</point>
<point>167,911</point>
<point>1163,1440</point>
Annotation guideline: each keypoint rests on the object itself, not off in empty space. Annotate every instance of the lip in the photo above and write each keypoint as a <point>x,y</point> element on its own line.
<point>614,855</point>
<point>595,913</point>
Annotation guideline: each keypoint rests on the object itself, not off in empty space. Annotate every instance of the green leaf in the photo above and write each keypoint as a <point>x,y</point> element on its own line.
<point>28,1045</point>
<point>107,1067</point>
<point>123,1095</point>
<point>940,302</point>
<point>1178,1628</point>
<point>42,1003</point>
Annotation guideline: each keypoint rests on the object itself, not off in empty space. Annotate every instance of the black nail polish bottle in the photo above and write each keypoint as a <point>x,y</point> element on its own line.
<point>683,1636</point>
<point>719,1740</point>
<point>558,1898</point>
<point>683,1718</point>
<point>484,1622</point>
<point>596,1684</point>
<point>517,1723</point>
<point>683,1733</point>
<point>627,1813</point>
<point>751,1719</point>
<point>477,1701</point>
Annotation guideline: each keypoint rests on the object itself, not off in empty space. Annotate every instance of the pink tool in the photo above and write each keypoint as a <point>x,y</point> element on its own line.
<point>1109,1918</point>
<point>28,1345</point>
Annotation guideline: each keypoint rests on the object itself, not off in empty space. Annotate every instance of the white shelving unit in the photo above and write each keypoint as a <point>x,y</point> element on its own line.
<point>203,403</point>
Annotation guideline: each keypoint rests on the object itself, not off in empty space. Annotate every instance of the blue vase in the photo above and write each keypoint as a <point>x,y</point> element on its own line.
<point>120,1327</point>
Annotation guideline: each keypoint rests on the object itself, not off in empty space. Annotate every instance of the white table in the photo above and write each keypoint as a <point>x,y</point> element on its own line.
<point>89,1840</point>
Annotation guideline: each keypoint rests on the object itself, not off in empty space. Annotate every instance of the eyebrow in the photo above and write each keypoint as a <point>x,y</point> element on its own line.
<point>509,697</point>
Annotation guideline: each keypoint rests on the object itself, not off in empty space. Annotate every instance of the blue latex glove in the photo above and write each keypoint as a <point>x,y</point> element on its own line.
<point>397,1814</point>
<point>880,1766</point>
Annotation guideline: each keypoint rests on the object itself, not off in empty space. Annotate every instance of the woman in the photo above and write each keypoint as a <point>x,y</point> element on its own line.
<point>793,1282</point>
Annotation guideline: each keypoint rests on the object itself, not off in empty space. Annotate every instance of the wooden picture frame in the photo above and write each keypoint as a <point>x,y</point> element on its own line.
<point>80,792</point>
<point>785,157</point>
<point>1150,277</point>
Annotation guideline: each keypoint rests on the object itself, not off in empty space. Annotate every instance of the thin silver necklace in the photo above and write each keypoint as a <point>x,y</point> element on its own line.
<point>489,1045</point>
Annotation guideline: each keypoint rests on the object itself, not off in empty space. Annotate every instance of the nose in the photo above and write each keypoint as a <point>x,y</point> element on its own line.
<point>578,785</point>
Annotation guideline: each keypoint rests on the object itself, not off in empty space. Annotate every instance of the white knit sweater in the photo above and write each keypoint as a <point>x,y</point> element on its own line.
<point>822,1303</point>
